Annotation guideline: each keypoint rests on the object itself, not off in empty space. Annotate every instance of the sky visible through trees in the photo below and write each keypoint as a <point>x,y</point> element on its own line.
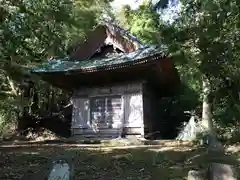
<point>168,14</point>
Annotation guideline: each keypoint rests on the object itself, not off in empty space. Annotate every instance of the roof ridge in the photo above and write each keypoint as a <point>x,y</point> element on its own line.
<point>124,32</point>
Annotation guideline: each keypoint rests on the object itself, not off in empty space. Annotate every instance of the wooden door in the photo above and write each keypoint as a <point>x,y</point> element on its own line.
<point>106,111</point>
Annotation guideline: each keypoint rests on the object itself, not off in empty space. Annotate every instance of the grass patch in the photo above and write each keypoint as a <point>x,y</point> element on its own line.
<point>170,161</point>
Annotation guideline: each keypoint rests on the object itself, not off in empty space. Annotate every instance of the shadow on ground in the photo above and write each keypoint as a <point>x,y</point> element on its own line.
<point>101,163</point>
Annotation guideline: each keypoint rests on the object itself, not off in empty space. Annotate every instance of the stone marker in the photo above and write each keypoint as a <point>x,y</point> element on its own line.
<point>196,175</point>
<point>60,171</point>
<point>221,172</point>
<point>218,171</point>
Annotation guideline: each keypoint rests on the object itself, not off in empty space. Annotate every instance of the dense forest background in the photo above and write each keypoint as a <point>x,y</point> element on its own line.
<point>203,39</point>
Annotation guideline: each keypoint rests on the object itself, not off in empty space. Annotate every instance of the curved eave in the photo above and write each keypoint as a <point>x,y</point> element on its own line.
<point>160,71</point>
<point>106,67</point>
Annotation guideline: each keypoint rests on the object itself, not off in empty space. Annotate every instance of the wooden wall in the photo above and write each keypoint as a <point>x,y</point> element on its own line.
<point>163,115</point>
<point>127,119</point>
<point>153,123</point>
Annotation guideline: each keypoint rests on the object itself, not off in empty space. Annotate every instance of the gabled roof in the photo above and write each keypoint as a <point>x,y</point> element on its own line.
<point>85,68</point>
<point>82,60</point>
<point>142,55</point>
<point>103,34</point>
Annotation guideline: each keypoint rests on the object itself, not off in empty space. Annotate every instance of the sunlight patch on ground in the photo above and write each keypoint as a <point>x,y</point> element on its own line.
<point>168,160</point>
<point>234,149</point>
<point>31,153</point>
<point>161,149</point>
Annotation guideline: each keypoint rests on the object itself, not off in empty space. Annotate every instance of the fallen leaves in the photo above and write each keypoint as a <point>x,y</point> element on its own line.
<point>101,163</point>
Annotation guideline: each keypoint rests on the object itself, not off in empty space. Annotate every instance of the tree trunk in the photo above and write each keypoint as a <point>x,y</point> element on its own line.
<point>206,106</point>
<point>216,171</point>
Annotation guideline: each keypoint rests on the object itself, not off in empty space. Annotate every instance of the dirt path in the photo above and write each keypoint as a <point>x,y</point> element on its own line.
<point>96,161</point>
<point>169,160</point>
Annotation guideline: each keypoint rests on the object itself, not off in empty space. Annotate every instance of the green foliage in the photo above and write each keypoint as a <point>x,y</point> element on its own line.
<point>34,31</point>
<point>204,43</point>
<point>145,25</point>
<point>142,22</point>
<point>215,34</point>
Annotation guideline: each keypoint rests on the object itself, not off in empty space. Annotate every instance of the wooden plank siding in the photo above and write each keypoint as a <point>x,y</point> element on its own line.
<point>80,113</point>
<point>108,111</point>
<point>133,113</point>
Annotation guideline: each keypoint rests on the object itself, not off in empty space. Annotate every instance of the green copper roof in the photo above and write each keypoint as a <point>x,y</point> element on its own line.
<point>64,64</point>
